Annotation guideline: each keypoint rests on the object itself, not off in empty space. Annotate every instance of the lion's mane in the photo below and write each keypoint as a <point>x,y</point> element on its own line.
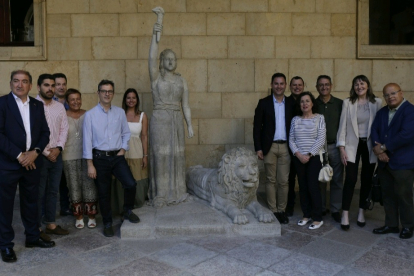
<point>227,178</point>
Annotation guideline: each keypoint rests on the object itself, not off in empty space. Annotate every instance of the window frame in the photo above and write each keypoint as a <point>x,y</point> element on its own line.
<point>367,51</point>
<point>39,50</point>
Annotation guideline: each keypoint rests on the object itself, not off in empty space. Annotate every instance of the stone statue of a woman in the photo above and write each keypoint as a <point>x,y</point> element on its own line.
<point>167,143</point>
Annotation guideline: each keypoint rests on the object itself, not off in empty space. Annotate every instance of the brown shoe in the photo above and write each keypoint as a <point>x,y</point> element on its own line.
<point>57,231</point>
<point>44,236</point>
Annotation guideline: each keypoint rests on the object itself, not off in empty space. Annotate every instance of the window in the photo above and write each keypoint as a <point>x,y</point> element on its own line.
<point>391,24</point>
<point>22,29</point>
<point>385,29</point>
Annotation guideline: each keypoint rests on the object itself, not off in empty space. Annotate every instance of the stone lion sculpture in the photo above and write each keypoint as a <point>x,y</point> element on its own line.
<point>232,187</point>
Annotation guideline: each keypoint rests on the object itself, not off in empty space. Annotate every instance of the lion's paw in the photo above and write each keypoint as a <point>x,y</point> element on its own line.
<point>266,218</point>
<point>240,219</point>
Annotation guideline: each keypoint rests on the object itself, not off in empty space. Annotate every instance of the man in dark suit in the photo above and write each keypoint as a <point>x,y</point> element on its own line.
<point>393,134</point>
<point>23,136</point>
<point>271,128</point>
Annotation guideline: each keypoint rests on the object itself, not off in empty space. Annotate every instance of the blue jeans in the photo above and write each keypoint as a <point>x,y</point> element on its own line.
<point>50,176</point>
<point>106,166</point>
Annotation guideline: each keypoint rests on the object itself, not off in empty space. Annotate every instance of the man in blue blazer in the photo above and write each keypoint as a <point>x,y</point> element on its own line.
<point>24,134</point>
<point>271,127</point>
<point>393,134</point>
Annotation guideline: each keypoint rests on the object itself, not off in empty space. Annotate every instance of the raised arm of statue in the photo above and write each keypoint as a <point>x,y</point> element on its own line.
<point>186,110</point>
<point>153,53</point>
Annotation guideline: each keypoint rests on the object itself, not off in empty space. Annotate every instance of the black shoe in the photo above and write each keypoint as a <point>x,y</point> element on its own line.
<point>289,211</point>
<point>325,212</point>
<point>8,255</point>
<point>40,243</point>
<point>66,212</point>
<point>345,227</point>
<point>129,215</point>
<point>336,216</point>
<point>361,224</point>
<point>406,233</point>
<point>282,217</point>
<point>385,230</point>
<point>108,230</point>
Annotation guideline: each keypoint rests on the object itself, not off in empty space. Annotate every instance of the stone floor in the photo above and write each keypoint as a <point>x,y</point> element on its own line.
<point>298,251</point>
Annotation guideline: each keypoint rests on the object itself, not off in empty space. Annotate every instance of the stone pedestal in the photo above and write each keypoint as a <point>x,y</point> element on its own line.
<point>194,218</point>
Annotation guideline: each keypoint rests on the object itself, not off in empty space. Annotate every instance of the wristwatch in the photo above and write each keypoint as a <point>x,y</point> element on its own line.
<point>382,147</point>
<point>59,148</point>
<point>37,150</point>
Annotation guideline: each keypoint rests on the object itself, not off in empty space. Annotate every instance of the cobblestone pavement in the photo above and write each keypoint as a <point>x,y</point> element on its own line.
<point>299,251</point>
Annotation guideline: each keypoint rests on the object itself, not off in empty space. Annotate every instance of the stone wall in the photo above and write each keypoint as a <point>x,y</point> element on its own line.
<point>227,51</point>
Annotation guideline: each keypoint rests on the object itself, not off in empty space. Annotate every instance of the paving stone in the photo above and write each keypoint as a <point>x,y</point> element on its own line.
<point>380,264</point>
<point>396,247</point>
<point>268,273</point>
<point>183,255</point>
<point>85,242</point>
<point>300,264</point>
<point>288,240</point>
<point>224,265</point>
<point>257,253</point>
<point>355,236</point>
<point>329,250</point>
<point>219,244</point>
<point>353,272</point>
<point>110,256</point>
<point>150,246</point>
<point>65,266</point>
<point>145,267</point>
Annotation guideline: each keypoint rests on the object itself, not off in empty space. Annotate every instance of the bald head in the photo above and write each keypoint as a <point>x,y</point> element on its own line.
<point>393,95</point>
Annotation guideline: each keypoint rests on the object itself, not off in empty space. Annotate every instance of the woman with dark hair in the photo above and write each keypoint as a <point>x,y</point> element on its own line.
<point>306,141</point>
<point>82,189</point>
<point>354,142</point>
<point>137,155</point>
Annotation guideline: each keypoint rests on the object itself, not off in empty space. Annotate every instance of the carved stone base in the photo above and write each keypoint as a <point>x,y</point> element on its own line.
<point>195,218</point>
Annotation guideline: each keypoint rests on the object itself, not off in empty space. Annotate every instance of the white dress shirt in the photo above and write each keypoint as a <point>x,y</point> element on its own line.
<point>25,113</point>
<point>280,133</point>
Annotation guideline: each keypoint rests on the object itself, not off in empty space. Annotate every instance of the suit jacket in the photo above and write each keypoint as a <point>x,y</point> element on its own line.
<point>348,129</point>
<point>264,125</point>
<point>398,137</point>
<point>13,134</point>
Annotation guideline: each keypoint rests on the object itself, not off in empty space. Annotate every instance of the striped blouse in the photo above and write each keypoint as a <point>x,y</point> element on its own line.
<point>307,135</point>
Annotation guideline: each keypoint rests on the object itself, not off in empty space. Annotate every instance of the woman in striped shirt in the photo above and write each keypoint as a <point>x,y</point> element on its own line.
<point>306,140</point>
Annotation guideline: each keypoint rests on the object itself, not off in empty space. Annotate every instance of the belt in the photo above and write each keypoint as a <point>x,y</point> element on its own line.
<point>331,142</point>
<point>363,139</point>
<point>279,141</point>
<point>106,153</point>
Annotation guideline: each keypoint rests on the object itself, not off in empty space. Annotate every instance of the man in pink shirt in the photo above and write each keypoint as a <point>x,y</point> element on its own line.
<point>52,159</point>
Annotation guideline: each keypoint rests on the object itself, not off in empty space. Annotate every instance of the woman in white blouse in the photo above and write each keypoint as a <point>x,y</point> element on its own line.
<point>306,140</point>
<point>354,142</point>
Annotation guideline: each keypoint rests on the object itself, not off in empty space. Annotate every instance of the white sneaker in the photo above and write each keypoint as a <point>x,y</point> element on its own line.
<point>303,222</point>
<point>315,226</point>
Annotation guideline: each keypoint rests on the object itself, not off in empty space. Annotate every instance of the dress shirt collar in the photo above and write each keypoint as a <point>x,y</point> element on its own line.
<point>27,100</point>
<point>395,109</point>
<point>276,102</point>
<point>331,99</point>
<point>103,109</point>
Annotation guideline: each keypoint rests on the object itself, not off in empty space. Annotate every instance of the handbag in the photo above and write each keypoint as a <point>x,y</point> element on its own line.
<point>375,195</point>
<point>326,173</point>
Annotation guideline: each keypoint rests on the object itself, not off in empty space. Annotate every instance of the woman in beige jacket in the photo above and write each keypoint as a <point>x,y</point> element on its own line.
<point>354,142</point>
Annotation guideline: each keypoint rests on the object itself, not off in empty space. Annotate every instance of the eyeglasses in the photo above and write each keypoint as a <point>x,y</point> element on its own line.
<point>110,92</point>
<point>392,94</point>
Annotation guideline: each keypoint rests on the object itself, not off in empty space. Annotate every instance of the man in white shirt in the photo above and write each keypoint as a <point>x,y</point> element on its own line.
<point>23,135</point>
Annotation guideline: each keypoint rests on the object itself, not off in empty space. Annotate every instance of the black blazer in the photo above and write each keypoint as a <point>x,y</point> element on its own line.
<point>13,134</point>
<point>264,125</point>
